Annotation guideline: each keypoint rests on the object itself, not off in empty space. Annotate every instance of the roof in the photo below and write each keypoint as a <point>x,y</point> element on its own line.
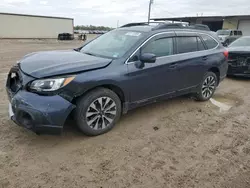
<point>13,14</point>
<point>186,19</point>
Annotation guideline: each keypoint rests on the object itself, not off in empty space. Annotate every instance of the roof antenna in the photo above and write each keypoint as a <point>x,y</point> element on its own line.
<point>149,9</point>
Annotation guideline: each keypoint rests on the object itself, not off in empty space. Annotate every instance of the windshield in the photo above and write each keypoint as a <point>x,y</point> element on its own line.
<point>113,44</point>
<point>243,41</point>
<point>223,32</point>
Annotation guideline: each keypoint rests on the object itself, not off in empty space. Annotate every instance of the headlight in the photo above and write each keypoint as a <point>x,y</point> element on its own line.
<point>50,84</point>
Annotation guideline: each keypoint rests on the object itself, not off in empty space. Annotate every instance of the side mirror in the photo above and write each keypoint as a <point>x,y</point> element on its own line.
<point>148,58</point>
<point>77,49</point>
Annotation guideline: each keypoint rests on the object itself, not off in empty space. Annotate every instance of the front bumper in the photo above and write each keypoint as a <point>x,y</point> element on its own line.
<point>41,114</point>
<point>238,71</point>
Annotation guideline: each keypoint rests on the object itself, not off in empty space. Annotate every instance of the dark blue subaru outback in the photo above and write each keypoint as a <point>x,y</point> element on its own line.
<point>125,68</point>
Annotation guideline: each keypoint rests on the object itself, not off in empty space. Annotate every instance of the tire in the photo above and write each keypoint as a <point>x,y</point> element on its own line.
<point>93,115</point>
<point>207,87</point>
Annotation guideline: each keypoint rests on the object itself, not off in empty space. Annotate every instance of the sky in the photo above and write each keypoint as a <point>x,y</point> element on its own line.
<point>111,12</point>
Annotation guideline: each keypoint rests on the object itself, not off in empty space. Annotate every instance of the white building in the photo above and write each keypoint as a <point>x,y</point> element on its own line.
<point>31,26</point>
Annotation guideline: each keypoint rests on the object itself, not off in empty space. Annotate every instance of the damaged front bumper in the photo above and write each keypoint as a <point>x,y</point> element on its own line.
<point>243,71</point>
<point>41,114</point>
<point>239,63</point>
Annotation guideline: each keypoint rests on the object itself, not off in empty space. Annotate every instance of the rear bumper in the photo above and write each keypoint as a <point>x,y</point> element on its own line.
<point>223,69</point>
<point>40,114</point>
<point>222,78</point>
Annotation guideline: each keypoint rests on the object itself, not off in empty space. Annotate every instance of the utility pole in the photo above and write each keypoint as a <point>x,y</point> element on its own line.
<point>149,9</point>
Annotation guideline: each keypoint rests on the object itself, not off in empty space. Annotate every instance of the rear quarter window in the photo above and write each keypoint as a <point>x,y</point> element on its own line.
<point>209,41</point>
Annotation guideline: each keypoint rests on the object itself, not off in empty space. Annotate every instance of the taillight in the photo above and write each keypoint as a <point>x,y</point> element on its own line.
<point>226,54</point>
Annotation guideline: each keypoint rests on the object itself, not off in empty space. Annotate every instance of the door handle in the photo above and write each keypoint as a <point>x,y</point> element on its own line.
<point>204,58</point>
<point>173,65</point>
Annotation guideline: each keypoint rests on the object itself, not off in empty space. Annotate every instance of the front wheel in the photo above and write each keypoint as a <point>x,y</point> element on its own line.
<point>98,111</point>
<point>207,87</point>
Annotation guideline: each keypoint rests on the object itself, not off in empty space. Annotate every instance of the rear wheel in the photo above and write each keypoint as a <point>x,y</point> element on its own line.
<point>98,111</point>
<point>207,87</point>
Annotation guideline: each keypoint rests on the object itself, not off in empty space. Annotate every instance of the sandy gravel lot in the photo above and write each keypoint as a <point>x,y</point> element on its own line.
<point>178,143</point>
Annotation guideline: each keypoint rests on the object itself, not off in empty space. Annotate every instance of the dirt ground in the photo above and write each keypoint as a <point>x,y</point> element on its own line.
<point>178,143</point>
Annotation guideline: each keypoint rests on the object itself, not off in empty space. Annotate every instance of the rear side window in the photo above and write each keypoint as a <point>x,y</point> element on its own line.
<point>186,44</point>
<point>235,33</point>
<point>240,33</point>
<point>159,47</point>
<point>209,41</point>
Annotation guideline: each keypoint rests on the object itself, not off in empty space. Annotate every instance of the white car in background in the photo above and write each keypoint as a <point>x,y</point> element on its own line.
<point>228,36</point>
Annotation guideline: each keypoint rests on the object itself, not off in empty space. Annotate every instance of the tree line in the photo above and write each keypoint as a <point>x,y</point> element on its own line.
<point>92,27</point>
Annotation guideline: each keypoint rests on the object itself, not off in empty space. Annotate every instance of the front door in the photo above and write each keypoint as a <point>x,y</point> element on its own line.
<point>154,79</point>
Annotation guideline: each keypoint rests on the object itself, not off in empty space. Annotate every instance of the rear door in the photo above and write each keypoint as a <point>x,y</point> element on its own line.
<point>192,56</point>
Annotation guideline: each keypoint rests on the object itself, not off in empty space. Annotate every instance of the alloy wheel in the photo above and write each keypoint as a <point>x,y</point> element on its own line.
<point>208,87</point>
<point>101,113</point>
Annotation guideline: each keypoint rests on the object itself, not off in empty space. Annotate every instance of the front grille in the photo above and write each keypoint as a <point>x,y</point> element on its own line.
<point>239,60</point>
<point>14,81</point>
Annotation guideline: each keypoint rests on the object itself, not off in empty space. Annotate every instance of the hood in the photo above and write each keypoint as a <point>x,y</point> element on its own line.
<point>222,37</point>
<point>243,49</point>
<point>52,63</point>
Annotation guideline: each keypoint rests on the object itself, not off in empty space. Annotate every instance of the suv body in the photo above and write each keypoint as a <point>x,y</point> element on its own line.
<point>116,72</point>
<point>228,36</point>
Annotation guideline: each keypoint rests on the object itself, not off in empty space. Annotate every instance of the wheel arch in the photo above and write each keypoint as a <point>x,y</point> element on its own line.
<point>116,89</point>
<point>216,71</point>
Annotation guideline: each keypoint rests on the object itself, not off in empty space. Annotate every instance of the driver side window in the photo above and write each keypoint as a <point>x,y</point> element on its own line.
<point>159,47</point>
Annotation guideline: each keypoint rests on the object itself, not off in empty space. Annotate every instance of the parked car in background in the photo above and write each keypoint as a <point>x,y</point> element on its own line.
<point>65,36</point>
<point>228,36</point>
<point>121,70</point>
<point>239,57</point>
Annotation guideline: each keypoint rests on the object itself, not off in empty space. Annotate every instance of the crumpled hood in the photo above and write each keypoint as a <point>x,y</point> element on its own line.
<point>52,63</point>
<point>222,37</point>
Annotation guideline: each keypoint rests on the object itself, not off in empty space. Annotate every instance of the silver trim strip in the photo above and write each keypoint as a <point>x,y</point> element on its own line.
<point>127,63</point>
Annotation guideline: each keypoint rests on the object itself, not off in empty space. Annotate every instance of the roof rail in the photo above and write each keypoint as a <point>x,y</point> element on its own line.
<point>182,26</point>
<point>165,25</point>
<point>134,24</point>
<point>170,26</point>
<point>141,24</point>
<point>200,26</point>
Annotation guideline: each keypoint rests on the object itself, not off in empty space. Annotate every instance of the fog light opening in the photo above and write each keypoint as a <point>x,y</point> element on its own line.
<point>26,120</point>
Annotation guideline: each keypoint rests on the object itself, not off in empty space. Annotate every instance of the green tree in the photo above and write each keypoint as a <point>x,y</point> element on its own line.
<point>92,27</point>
